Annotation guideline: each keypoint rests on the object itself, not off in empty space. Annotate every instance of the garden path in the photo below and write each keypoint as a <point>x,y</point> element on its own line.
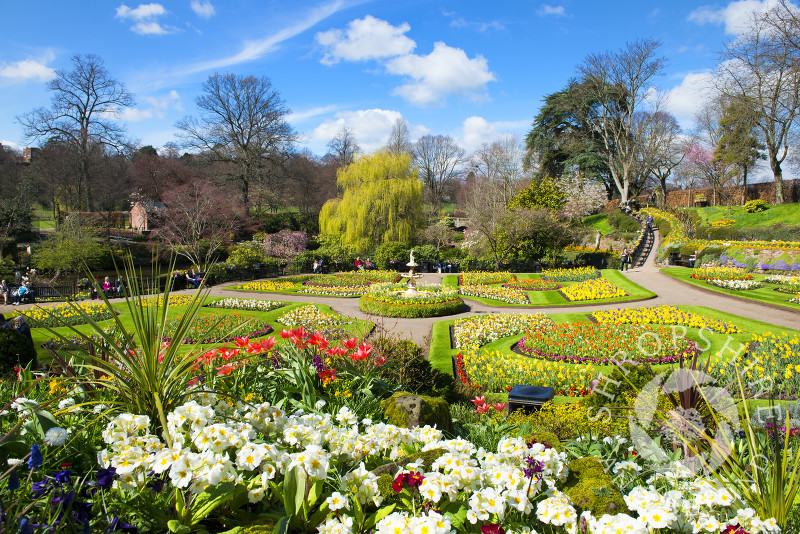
<point>669,291</point>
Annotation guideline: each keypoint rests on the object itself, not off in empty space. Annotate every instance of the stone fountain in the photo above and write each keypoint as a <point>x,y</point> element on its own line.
<point>411,276</point>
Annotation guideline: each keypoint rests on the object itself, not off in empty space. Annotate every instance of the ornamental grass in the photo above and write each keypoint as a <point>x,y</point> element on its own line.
<point>668,315</point>
<point>598,288</point>
<point>604,343</point>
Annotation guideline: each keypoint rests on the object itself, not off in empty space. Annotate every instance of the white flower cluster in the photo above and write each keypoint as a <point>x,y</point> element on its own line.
<point>782,279</point>
<point>432,523</point>
<point>735,285</point>
<point>245,304</point>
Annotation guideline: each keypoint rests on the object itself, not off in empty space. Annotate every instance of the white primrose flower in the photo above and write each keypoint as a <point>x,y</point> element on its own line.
<point>556,510</point>
<point>55,437</point>
<point>337,501</point>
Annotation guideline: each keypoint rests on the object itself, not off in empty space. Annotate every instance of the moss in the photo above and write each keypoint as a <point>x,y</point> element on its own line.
<point>591,488</point>
<point>548,438</point>
<point>433,411</point>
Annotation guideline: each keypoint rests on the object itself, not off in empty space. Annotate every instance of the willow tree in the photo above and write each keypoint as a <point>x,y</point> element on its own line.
<point>381,201</point>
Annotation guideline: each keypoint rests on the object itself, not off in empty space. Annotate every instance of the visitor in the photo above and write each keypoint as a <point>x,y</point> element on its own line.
<point>649,222</point>
<point>18,278</point>
<point>193,278</point>
<point>5,290</point>
<point>439,266</point>
<point>21,293</point>
<point>693,258</point>
<point>449,266</point>
<point>359,264</point>
<point>624,259</point>
<point>321,266</point>
<point>108,287</point>
<point>21,326</point>
<point>315,266</point>
<point>4,323</point>
<point>118,286</point>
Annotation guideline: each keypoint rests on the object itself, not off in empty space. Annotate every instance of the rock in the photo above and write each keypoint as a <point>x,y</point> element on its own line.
<point>408,410</point>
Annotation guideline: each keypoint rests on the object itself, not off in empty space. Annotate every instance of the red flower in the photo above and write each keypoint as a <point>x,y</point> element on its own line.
<point>492,528</point>
<point>315,339</point>
<point>483,408</point>
<point>397,485</point>
<point>351,343</point>
<point>328,375</point>
<point>362,353</point>
<point>499,406</point>
<point>242,342</point>
<point>479,401</point>
<point>285,334</point>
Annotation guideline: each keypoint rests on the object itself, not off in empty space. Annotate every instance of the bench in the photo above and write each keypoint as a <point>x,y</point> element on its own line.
<point>681,260</point>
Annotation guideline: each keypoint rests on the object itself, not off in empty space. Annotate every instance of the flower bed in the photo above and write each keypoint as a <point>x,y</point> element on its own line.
<point>310,318</point>
<point>788,288</point>
<point>266,285</point>
<point>65,314</point>
<point>245,304</point>
<point>482,278</point>
<point>533,284</point>
<point>721,273</point>
<point>781,279</point>
<point>598,288</point>
<point>768,363</point>
<point>174,300</point>
<point>390,300</point>
<point>499,372</point>
<point>605,343</point>
<point>218,328</point>
<point>735,285</point>
<point>482,329</point>
<point>577,274</point>
<point>503,294</point>
<point>663,315</point>
<point>334,291</point>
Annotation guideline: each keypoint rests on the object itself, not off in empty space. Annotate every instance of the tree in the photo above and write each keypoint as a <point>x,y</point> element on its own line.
<point>761,66</point>
<point>84,103</point>
<point>502,163</point>
<point>399,141</point>
<point>344,146</point>
<point>242,121</point>
<point>738,145</point>
<point>69,248</point>
<point>439,161</point>
<point>487,208</point>
<point>661,148</point>
<point>561,140</point>
<point>541,194</point>
<point>619,85</point>
<point>381,202</point>
<point>197,220</point>
<point>532,234</point>
<point>17,195</point>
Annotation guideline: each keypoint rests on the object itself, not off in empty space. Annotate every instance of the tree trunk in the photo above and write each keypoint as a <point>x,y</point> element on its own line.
<point>777,172</point>
<point>744,182</point>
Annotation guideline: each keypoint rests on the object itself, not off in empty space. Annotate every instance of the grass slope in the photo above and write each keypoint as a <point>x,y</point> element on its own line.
<point>765,294</point>
<point>777,214</point>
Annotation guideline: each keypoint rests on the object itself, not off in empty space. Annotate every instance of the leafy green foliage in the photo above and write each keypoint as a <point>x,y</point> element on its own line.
<point>387,309</point>
<point>389,252</point>
<point>543,193</point>
<point>70,248</point>
<point>753,206</point>
<point>382,201</point>
<point>15,349</point>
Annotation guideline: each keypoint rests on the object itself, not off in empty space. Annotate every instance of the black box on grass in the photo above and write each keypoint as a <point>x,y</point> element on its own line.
<point>529,398</point>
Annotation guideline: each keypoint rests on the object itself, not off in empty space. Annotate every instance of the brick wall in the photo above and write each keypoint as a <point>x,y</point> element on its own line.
<point>733,195</point>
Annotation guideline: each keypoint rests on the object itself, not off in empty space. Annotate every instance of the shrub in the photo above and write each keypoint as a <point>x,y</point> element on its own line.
<point>15,349</point>
<point>409,369</point>
<point>625,380</point>
<point>753,206</point>
<point>410,311</point>
<point>388,253</point>
<point>623,222</point>
<point>246,255</point>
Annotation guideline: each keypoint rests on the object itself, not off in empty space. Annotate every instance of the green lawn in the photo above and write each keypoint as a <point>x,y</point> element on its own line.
<point>599,222</point>
<point>765,294</point>
<point>359,328</point>
<point>553,298</point>
<point>784,213</point>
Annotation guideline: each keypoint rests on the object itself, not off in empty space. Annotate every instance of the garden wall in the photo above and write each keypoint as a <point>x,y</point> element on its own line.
<point>733,195</point>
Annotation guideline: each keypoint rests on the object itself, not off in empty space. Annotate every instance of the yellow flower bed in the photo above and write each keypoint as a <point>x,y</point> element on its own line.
<point>66,314</point>
<point>721,273</point>
<point>482,329</point>
<point>311,318</point>
<point>266,285</point>
<point>503,294</point>
<point>770,365</point>
<point>174,300</point>
<point>663,315</point>
<point>484,277</point>
<point>598,288</point>
<point>496,371</point>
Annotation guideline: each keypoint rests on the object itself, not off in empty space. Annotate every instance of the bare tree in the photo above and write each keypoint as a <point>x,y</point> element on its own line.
<point>660,147</point>
<point>503,164</point>
<point>84,103</point>
<point>344,146</point>
<point>399,141</point>
<point>619,84</point>
<point>439,161</point>
<point>762,65</point>
<point>242,121</point>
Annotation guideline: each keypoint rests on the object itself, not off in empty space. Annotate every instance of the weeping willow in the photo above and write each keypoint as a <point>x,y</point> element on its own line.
<point>381,202</point>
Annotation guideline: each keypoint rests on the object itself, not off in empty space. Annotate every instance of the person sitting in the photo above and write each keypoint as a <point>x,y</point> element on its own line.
<point>193,278</point>
<point>315,266</point>
<point>23,294</point>
<point>693,258</point>
<point>108,287</point>
<point>118,287</point>
<point>359,264</point>
<point>5,291</point>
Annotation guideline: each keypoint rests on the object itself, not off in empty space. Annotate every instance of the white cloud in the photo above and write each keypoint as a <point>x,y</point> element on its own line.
<point>300,116</point>
<point>371,128</point>
<point>158,108</point>
<point>27,69</point>
<point>12,145</point>
<point>735,16</point>
<point>203,9</point>
<point>546,10</point>
<point>687,98</point>
<point>255,49</point>
<point>144,16</point>
<point>367,38</point>
<point>477,131</point>
<point>443,72</point>
<point>140,12</point>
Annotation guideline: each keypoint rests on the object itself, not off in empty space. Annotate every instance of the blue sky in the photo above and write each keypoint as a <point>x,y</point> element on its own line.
<point>475,70</point>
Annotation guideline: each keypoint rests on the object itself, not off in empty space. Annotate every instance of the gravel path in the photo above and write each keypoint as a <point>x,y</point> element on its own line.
<point>669,291</point>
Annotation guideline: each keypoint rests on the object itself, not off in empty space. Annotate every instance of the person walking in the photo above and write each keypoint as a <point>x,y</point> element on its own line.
<point>624,259</point>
